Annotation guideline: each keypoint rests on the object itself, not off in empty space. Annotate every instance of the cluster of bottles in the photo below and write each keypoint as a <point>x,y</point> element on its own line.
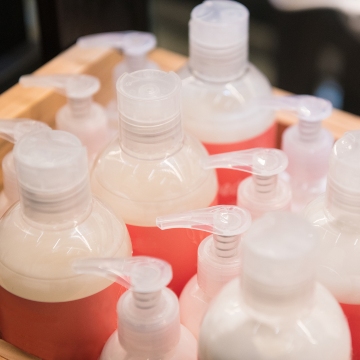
<point>66,259</point>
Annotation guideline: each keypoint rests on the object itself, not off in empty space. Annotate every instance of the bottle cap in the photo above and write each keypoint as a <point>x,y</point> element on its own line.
<point>218,255</point>
<point>343,181</point>
<point>148,316</point>
<point>279,257</point>
<point>218,35</point>
<point>149,109</point>
<point>53,176</point>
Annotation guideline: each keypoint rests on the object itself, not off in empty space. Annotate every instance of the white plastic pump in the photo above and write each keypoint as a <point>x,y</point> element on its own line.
<point>263,191</point>
<point>148,315</point>
<point>135,46</point>
<point>276,310</point>
<point>218,256</point>
<point>307,144</point>
<point>12,130</point>
<point>81,116</point>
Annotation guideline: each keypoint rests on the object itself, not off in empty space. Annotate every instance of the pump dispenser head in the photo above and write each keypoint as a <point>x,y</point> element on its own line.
<point>53,177</point>
<point>279,256</point>
<point>343,181</point>
<point>78,89</point>
<point>218,36</point>
<point>148,316</point>
<point>218,254</point>
<point>150,117</point>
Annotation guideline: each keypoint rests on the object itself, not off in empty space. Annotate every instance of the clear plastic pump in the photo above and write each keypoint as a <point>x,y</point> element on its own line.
<point>135,46</point>
<point>218,256</point>
<point>264,191</point>
<point>148,315</point>
<point>307,145</point>
<point>12,130</point>
<point>81,116</point>
<point>276,310</point>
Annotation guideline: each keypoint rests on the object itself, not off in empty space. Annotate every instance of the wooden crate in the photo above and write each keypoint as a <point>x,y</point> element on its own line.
<point>42,104</point>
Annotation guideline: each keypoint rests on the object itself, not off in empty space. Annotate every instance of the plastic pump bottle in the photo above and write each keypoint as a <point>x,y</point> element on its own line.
<point>153,169</point>
<point>263,191</point>
<point>148,314</point>
<point>219,84</point>
<point>218,256</point>
<point>306,144</point>
<point>276,311</point>
<point>135,46</point>
<point>336,217</point>
<point>10,192</point>
<point>44,308</point>
<point>81,116</point>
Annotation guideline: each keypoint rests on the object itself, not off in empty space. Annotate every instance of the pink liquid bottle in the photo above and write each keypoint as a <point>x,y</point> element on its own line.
<point>218,256</point>
<point>336,217</point>
<point>44,308</point>
<point>153,169</point>
<point>148,314</point>
<point>219,86</point>
<point>81,116</point>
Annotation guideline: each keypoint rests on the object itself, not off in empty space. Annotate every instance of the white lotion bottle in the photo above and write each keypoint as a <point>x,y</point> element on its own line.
<point>153,169</point>
<point>218,256</point>
<point>10,193</point>
<point>307,145</point>
<point>148,314</point>
<point>81,116</point>
<point>336,217</point>
<point>264,191</point>
<point>277,310</point>
<point>135,46</point>
<point>45,309</point>
<point>219,85</point>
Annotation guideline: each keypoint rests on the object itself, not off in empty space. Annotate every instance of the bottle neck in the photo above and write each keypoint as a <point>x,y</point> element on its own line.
<point>218,65</point>
<point>57,211</point>
<point>11,189</point>
<point>134,63</point>
<point>265,186</point>
<point>309,130</point>
<point>80,108</point>
<point>218,262</point>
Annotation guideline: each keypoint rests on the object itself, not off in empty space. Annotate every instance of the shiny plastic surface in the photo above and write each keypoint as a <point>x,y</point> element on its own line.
<point>232,331</point>
<point>221,117</point>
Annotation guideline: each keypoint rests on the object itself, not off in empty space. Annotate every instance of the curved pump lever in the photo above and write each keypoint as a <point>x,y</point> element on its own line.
<point>142,274</point>
<point>72,86</point>
<point>13,129</point>
<point>132,43</point>
<point>223,220</point>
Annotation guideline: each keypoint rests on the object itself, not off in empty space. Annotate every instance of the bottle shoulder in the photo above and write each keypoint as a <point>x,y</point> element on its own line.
<point>229,325</point>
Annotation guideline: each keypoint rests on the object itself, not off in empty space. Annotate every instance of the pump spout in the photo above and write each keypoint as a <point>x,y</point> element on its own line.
<point>13,129</point>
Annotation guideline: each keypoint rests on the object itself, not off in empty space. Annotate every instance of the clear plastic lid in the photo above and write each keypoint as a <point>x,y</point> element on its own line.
<point>218,254</point>
<point>150,116</point>
<point>279,256</point>
<point>148,316</point>
<point>218,35</point>
<point>52,170</point>
<point>343,181</point>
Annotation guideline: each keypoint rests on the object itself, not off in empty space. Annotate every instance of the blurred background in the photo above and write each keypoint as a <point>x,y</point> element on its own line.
<point>303,46</point>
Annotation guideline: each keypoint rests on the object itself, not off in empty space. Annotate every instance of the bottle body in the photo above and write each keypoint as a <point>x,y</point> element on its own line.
<point>308,164</point>
<point>220,115</point>
<point>140,190</point>
<point>231,331</point>
<point>339,268</point>
<point>37,282</point>
<point>185,350</point>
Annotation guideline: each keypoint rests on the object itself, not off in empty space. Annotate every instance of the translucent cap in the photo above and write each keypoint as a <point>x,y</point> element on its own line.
<point>279,260</point>
<point>132,43</point>
<point>72,86</point>
<point>343,189</point>
<point>140,273</point>
<point>52,170</point>
<point>149,109</point>
<point>219,24</point>
<point>257,161</point>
